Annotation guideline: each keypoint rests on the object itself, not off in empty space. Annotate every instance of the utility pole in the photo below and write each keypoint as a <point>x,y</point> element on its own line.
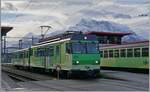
<point>32,40</point>
<point>4,44</point>
<point>20,44</point>
<point>1,45</point>
<point>42,30</point>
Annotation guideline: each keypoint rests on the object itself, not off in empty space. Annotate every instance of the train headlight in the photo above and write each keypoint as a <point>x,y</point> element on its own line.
<point>77,62</point>
<point>96,62</point>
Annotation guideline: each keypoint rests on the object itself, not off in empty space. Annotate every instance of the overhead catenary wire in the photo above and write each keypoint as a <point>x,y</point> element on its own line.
<point>23,37</point>
<point>18,15</point>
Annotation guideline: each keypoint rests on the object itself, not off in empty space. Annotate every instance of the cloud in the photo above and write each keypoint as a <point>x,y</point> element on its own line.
<point>28,15</point>
<point>133,1</point>
<point>8,6</point>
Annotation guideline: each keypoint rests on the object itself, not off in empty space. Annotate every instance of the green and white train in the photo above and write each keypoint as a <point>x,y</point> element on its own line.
<point>126,56</point>
<point>71,53</point>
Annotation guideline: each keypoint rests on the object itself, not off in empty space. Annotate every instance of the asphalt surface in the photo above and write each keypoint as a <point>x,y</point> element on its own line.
<point>7,83</point>
<point>121,81</point>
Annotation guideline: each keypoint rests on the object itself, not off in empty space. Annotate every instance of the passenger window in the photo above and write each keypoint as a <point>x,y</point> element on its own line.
<point>51,50</point>
<point>40,52</point>
<point>123,52</point>
<point>57,50</point>
<point>116,53</point>
<point>35,52</point>
<point>105,54</point>
<point>101,53</point>
<point>31,52</point>
<point>111,53</point>
<point>27,53</point>
<point>129,52</point>
<point>68,48</point>
<point>137,52</point>
<point>21,55</point>
<point>145,52</point>
<point>46,51</point>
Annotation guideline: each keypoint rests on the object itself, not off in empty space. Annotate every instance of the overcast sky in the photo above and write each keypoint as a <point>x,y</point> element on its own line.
<point>27,15</point>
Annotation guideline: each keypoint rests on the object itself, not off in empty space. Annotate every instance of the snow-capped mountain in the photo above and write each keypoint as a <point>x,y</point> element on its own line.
<point>86,25</point>
<point>103,26</point>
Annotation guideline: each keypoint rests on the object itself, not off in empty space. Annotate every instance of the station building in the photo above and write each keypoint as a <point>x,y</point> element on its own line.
<point>109,37</point>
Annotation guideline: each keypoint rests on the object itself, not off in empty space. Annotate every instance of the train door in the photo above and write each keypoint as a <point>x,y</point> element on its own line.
<point>29,57</point>
<point>58,54</point>
<point>23,58</point>
<point>46,58</point>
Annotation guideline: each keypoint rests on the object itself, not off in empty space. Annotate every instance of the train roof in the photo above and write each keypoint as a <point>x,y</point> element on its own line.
<point>21,50</point>
<point>84,37</point>
<point>69,34</point>
<point>44,44</point>
<point>109,33</point>
<point>64,35</point>
<point>124,45</point>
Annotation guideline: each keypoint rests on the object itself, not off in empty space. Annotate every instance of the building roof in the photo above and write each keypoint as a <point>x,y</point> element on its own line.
<point>127,43</point>
<point>109,33</point>
<point>5,30</point>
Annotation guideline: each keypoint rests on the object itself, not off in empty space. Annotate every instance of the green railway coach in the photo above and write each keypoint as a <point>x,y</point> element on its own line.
<point>127,56</point>
<point>21,58</point>
<point>73,53</point>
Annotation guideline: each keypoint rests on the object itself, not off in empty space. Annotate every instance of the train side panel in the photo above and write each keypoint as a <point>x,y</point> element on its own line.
<point>141,62</point>
<point>126,56</point>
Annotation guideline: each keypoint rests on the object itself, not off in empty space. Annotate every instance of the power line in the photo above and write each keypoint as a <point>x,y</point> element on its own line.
<point>23,37</point>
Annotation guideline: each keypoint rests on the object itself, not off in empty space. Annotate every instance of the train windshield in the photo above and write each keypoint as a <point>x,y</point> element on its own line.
<point>92,48</point>
<point>78,48</point>
<point>85,48</point>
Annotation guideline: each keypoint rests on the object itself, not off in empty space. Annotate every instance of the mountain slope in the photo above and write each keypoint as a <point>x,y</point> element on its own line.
<point>105,26</point>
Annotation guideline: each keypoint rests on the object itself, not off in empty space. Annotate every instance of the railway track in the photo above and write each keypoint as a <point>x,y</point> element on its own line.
<point>19,78</point>
<point>25,75</point>
<point>111,81</point>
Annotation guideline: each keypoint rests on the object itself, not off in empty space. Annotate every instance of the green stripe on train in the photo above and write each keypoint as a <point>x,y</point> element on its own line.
<point>134,62</point>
